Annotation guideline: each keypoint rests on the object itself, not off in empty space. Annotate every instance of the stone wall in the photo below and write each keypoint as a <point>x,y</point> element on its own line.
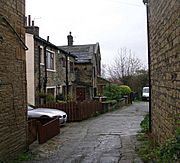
<point>165,66</point>
<point>84,78</point>
<point>12,79</point>
<point>56,78</point>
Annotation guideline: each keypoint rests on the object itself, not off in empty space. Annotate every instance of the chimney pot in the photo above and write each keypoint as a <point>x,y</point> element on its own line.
<point>70,39</point>
<point>29,20</point>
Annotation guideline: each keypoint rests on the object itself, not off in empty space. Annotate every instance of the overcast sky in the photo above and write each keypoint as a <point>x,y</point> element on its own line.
<point>113,23</point>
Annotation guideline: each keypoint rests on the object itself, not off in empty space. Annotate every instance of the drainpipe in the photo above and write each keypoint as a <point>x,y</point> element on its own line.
<point>146,2</point>
<point>45,68</point>
<point>67,79</point>
<point>39,80</point>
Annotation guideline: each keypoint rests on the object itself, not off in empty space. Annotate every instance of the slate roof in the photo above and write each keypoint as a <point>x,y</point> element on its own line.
<point>54,46</point>
<point>84,53</point>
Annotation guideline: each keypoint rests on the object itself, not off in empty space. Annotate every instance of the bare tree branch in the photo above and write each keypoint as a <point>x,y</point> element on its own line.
<point>125,65</point>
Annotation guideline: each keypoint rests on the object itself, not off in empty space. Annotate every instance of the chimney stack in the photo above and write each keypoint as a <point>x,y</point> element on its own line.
<point>29,20</point>
<point>31,28</point>
<point>70,39</point>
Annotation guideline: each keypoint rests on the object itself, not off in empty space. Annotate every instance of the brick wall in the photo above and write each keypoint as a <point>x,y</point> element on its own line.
<point>12,79</point>
<point>165,66</point>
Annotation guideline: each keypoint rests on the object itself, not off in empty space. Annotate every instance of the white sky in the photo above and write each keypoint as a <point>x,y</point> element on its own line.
<point>113,23</point>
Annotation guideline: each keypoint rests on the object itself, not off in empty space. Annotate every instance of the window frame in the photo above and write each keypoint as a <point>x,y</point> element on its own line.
<point>51,87</point>
<point>50,64</point>
<point>41,51</point>
<point>71,67</point>
<point>63,59</point>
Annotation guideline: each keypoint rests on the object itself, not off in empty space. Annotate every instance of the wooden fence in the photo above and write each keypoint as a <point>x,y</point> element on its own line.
<point>48,130</point>
<point>77,111</point>
<point>32,131</point>
<point>44,129</point>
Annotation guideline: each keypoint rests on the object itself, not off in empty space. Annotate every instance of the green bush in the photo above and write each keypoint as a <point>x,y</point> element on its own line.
<point>125,90</point>
<point>50,99</point>
<point>112,92</point>
<point>145,124</point>
<point>60,97</point>
<point>170,150</point>
<point>151,151</point>
<point>24,156</point>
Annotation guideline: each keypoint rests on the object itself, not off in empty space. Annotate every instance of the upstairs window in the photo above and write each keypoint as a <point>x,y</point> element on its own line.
<point>41,54</point>
<point>63,62</point>
<point>50,60</point>
<point>71,67</point>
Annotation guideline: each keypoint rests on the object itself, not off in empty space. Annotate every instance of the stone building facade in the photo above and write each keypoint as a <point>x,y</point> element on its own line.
<point>164,30</point>
<point>87,68</point>
<point>49,68</point>
<point>13,113</point>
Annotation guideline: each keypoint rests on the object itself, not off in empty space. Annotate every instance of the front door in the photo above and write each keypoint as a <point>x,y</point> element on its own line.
<point>80,93</point>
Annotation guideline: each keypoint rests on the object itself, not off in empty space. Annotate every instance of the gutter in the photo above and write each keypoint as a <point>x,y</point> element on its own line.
<point>146,2</point>
<point>2,18</point>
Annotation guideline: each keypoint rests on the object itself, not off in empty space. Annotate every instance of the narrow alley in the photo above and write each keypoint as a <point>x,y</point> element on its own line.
<point>108,138</point>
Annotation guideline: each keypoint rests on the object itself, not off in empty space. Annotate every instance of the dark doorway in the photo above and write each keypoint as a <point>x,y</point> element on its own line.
<point>80,93</point>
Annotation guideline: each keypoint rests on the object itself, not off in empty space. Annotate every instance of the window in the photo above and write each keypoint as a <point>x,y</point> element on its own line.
<point>71,67</point>
<point>50,60</point>
<point>59,89</point>
<point>94,72</point>
<point>63,62</point>
<point>41,53</point>
<point>51,91</point>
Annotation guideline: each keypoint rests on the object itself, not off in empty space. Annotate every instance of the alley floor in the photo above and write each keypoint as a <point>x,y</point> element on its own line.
<point>107,138</point>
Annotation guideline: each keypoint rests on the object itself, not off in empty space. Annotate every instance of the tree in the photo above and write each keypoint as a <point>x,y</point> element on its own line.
<point>103,71</point>
<point>138,81</point>
<point>125,65</point>
<point>128,69</point>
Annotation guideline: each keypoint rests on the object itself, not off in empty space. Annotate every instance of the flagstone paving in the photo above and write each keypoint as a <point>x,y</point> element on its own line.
<point>108,138</point>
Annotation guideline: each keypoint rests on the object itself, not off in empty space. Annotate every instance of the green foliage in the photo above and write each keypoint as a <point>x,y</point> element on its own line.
<point>50,99</point>
<point>25,156</point>
<point>170,150</point>
<point>150,151</point>
<point>145,124</point>
<point>112,102</point>
<point>112,92</point>
<point>137,81</point>
<point>178,131</point>
<point>61,102</point>
<point>42,95</point>
<point>60,97</point>
<point>69,98</point>
<point>125,90</point>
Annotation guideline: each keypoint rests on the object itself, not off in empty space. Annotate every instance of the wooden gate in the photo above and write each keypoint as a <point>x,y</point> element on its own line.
<point>48,129</point>
<point>32,131</point>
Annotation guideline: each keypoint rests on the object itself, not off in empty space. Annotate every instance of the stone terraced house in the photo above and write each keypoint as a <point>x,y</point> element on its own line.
<point>50,69</point>
<point>87,68</point>
<point>13,112</point>
<point>164,32</point>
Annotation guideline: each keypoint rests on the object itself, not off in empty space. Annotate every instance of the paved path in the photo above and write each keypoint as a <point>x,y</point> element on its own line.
<point>108,138</point>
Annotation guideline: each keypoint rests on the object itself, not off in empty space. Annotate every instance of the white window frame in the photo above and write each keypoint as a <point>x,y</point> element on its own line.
<point>51,87</point>
<point>41,55</point>
<point>54,58</point>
